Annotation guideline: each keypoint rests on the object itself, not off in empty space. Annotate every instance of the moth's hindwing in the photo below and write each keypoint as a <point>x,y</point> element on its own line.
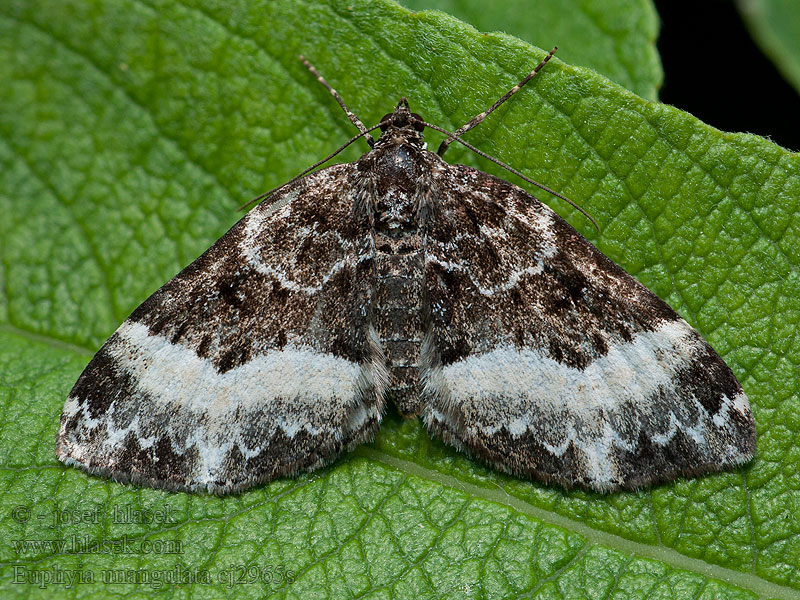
<point>255,361</point>
<point>545,359</point>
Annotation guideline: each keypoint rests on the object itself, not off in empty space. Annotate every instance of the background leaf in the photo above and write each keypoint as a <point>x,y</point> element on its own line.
<point>129,130</point>
<point>775,25</point>
<point>614,37</point>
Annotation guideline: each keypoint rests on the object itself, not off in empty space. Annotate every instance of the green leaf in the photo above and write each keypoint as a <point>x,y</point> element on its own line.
<point>614,37</point>
<point>775,26</point>
<point>130,130</point>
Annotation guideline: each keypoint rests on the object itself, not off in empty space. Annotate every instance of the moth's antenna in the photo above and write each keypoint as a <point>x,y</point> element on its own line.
<point>353,119</point>
<point>314,166</point>
<point>477,119</point>
<point>456,138</point>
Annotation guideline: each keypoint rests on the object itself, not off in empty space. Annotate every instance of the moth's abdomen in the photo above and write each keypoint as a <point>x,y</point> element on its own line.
<point>398,318</point>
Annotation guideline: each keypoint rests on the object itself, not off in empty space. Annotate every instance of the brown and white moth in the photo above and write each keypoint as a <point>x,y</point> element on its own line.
<point>454,293</point>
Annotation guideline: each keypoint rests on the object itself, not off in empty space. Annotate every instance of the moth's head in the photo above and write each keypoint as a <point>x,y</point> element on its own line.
<point>401,126</point>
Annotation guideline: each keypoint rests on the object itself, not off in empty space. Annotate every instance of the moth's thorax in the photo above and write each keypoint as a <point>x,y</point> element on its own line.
<point>398,136</point>
<point>397,171</point>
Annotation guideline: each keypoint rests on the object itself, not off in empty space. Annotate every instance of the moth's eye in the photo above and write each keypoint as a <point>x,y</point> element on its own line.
<point>386,120</point>
<point>418,121</point>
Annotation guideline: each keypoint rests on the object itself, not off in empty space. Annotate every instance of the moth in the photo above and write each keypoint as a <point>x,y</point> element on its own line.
<point>399,278</point>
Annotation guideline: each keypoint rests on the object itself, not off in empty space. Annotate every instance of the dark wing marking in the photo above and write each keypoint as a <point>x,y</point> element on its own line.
<point>255,361</point>
<point>546,360</point>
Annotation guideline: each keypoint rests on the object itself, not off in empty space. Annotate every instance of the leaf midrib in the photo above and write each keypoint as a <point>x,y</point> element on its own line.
<point>669,556</point>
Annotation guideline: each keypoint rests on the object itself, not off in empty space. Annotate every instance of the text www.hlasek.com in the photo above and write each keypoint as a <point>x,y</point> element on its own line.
<point>83,544</point>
